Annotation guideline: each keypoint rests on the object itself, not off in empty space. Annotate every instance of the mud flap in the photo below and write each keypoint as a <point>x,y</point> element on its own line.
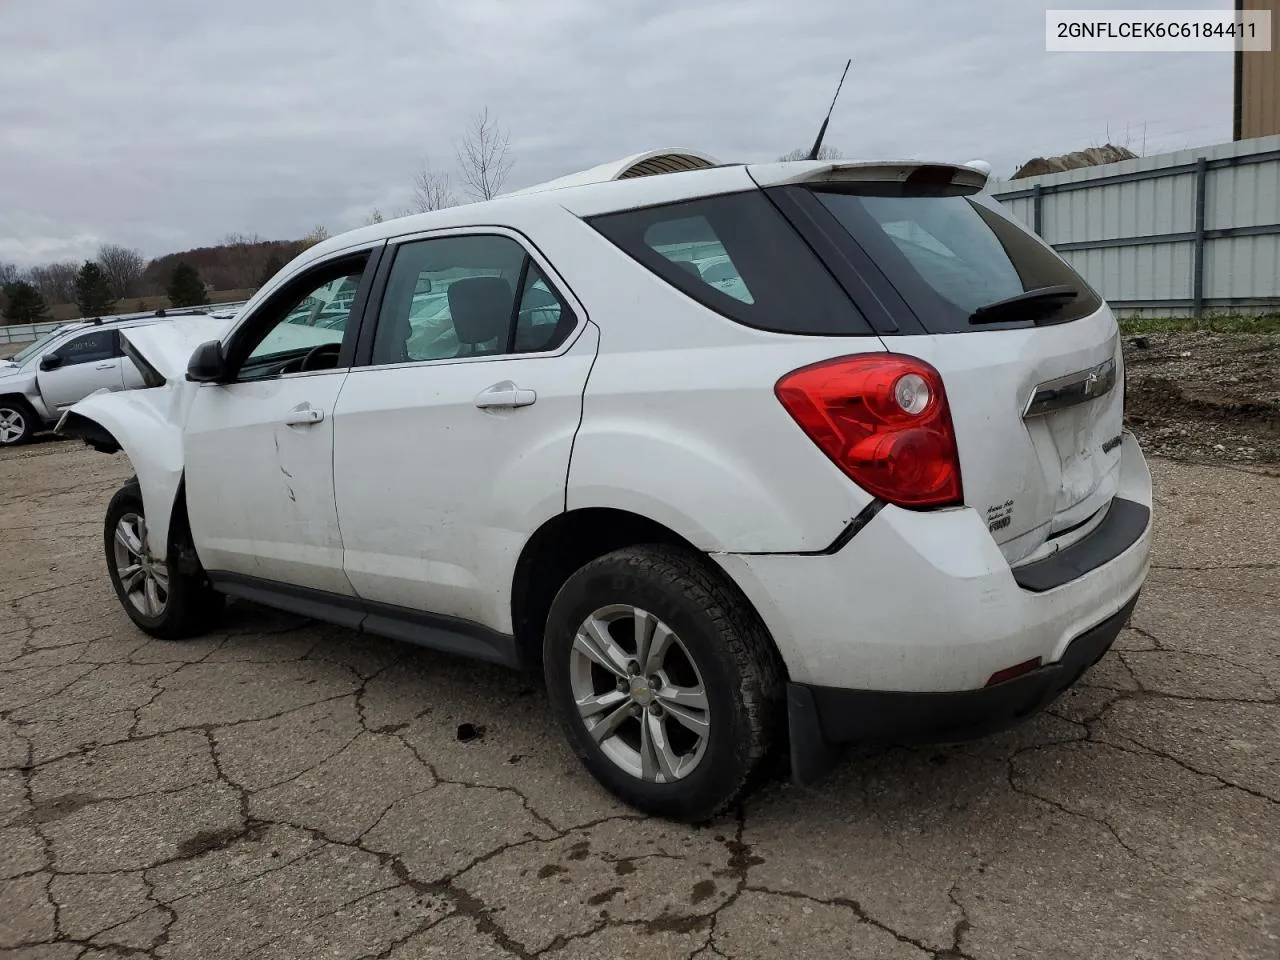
<point>812,755</point>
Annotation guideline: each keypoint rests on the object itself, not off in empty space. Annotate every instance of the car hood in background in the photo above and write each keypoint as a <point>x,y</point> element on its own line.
<point>168,346</point>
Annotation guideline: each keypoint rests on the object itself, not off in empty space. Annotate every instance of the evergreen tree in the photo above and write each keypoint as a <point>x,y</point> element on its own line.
<point>93,292</point>
<point>270,269</point>
<point>186,289</point>
<point>23,303</point>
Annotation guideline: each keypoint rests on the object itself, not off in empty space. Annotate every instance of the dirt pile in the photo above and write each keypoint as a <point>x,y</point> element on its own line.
<point>1209,397</point>
<point>1091,157</point>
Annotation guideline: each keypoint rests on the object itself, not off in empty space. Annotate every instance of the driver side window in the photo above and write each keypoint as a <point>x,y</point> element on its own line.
<point>310,315</point>
<point>88,348</point>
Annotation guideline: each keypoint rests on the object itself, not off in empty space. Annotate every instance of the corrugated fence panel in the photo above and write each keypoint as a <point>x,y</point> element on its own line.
<point>1244,267</point>
<point>1130,227</point>
<point>1244,196</point>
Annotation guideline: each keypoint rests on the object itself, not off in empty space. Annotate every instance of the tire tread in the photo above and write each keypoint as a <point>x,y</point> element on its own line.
<point>192,602</point>
<point>737,627</point>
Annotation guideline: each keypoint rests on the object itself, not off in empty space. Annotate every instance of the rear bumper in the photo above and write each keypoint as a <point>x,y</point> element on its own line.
<point>924,602</point>
<point>894,637</point>
<point>824,716</point>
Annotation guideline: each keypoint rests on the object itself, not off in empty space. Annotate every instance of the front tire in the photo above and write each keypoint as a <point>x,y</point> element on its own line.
<point>17,423</point>
<point>157,595</point>
<point>664,681</point>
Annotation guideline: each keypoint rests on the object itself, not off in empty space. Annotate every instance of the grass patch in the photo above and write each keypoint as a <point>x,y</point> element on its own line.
<point>1212,323</point>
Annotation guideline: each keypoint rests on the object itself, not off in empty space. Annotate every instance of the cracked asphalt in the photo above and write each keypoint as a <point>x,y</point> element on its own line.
<point>285,789</point>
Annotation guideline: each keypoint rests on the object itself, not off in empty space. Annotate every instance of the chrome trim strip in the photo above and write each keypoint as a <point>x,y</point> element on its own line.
<point>1074,388</point>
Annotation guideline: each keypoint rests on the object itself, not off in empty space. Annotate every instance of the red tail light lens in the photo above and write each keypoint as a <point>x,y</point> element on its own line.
<point>883,419</point>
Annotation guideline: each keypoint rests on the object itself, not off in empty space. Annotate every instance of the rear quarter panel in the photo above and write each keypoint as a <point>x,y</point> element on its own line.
<point>680,422</point>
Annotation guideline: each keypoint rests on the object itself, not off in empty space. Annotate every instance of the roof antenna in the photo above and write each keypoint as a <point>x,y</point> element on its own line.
<point>822,130</point>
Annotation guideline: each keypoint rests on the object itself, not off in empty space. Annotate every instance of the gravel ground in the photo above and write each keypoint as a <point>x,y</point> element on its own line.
<point>285,789</point>
<point>1206,397</point>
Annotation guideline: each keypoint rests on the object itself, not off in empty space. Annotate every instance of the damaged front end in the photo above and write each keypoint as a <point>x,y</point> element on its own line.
<point>146,422</point>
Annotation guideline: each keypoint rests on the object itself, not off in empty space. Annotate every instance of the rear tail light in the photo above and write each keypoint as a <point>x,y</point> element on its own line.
<point>883,419</point>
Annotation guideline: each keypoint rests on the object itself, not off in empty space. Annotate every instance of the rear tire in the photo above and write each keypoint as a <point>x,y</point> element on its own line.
<point>664,681</point>
<point>158,596</point>
<point>17,422</point>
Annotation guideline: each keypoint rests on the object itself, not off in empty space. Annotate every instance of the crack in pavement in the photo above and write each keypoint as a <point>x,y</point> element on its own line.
<point>238,851</point>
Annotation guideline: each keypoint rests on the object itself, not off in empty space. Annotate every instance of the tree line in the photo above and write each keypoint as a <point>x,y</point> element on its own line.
<point>97,287</point>
<point>118,279</point>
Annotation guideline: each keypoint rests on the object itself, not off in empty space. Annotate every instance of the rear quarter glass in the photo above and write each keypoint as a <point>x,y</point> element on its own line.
<point>947,253</point>
<point>737,255</point>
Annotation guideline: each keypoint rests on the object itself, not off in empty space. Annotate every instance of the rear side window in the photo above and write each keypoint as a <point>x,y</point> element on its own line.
<point>948,255</point>
<point>738,256</point>
<point>471,295</point>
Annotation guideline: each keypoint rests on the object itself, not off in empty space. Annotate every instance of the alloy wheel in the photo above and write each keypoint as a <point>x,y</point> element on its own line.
<point>12,425</point>
<point>639,693</point>
<point>144,580</point>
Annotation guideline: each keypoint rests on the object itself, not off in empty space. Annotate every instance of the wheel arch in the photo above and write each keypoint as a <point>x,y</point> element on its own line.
<point>567,542</point>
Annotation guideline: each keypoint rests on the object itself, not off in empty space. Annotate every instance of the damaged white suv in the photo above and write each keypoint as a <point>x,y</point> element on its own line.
<point>746,457</point>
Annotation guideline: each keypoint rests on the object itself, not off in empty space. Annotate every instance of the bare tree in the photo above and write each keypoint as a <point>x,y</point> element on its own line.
<point>484,157</point>
<point>9,273</point>
<point>431,189</point>
<point>375,216</point>
<point>317,234</point>
<point>122,267</point>
<point>56,281</point>
<point>825,152</point>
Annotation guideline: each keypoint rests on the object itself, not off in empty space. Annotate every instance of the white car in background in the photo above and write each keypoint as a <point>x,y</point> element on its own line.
<point>66,365</point>
<point>867,482</point>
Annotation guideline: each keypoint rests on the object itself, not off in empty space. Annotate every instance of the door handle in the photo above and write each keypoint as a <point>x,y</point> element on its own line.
<point>302,416</point>
<point>504,394</point>
<point>107,365</point>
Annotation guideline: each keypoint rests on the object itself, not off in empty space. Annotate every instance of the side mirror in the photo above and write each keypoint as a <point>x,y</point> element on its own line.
<point>50,361</point>
<point>207,363</point>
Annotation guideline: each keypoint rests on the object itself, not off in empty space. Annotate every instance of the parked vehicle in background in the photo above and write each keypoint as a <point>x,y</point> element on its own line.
<point>861,478</point>
<point>66,365</point>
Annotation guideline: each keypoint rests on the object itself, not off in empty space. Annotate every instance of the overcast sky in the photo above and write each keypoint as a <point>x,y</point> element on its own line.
<point>167,124</point>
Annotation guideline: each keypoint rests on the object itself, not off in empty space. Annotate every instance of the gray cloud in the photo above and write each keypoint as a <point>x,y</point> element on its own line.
<point>168,125</point>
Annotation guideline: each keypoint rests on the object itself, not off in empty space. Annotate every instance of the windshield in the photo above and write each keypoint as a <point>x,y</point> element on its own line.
<point>31,349</point>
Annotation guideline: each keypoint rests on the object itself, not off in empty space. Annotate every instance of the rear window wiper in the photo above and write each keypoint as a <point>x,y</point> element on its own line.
<point>1041,298</point>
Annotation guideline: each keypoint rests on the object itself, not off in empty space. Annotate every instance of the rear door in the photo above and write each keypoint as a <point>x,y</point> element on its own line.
<point>1028,352</point>
<point>452,440</point>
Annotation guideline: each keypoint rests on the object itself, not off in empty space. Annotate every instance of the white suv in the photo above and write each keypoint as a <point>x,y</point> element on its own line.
<point>874,486</point>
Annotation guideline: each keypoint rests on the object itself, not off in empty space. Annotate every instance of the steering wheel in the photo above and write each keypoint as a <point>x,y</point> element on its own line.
<point>315,353</point>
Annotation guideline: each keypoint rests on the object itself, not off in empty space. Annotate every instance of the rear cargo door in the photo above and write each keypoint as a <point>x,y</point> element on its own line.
<point>1028,352</point>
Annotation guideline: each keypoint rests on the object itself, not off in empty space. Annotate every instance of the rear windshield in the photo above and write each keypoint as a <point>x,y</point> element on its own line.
<point>948,255</point>
<point>737,255</point>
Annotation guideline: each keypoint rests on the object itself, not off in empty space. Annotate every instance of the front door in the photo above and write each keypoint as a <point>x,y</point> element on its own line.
<point>87,362</point>
<point>452,445</point>
<point>259,447</point>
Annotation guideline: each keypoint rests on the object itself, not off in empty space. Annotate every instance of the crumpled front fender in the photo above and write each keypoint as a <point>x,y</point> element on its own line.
<point>140,423</point>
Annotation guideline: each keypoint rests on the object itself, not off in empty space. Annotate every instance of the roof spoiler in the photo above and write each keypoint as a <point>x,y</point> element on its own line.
<point>894,171</point>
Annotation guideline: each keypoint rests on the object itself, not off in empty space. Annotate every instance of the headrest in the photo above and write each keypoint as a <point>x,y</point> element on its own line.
<point>689,267</point>
<point>481,308</point>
